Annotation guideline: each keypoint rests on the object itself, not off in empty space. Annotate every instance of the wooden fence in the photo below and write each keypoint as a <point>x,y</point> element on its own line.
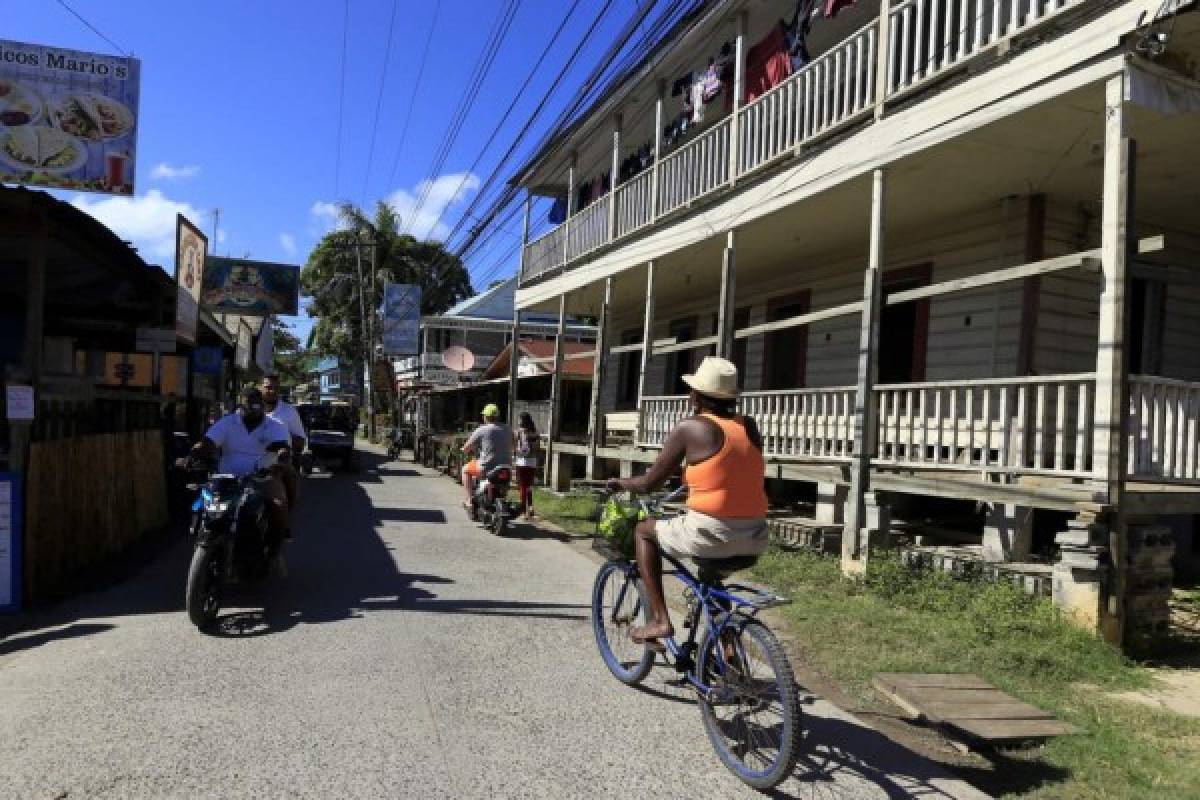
<point>88,498</point>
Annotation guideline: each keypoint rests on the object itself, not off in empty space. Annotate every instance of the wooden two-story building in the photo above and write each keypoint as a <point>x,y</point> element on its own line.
<point>952,245</point>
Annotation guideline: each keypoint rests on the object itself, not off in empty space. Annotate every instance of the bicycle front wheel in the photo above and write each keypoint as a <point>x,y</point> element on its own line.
<point>752,713</point>
<point>619,602</point>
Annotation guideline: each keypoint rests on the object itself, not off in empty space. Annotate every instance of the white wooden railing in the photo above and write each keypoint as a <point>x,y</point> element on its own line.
<point>544,254</point>
<point>588,229</point>
<point>929,37</point>
<point>694,170</point>
<point>1034,425</point>
<point>1041,425</point>
<point>635,203</point>
<point>1164,428</point>
<point>822,96</point>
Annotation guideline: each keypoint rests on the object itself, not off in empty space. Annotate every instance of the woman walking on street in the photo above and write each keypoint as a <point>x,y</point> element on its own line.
<point>525,460</point>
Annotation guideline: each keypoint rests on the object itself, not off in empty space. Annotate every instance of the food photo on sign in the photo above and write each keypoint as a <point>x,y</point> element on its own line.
<point>68,119</point>
<point>250,288</point>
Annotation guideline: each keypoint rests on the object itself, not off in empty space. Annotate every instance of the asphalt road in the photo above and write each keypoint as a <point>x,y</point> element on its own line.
<point>407,654</point>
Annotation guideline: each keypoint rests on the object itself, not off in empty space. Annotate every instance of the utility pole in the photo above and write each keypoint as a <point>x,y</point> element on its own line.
<point>216,215</point>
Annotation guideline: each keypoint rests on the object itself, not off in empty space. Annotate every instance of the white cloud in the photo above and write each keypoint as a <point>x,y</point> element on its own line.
<point>288,243</point>
<point>169,172</point>
<point>146,220</point>
<point>443,193</point>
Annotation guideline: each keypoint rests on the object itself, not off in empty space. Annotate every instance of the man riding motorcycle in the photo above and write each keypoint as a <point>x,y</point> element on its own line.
<point>244,438</point>
<point>287,415</point>
<point>492,443</point>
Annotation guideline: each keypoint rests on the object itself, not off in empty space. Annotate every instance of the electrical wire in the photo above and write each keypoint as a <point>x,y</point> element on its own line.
<point>483,66</point>
<point>387,55</point>
<point>93,28</point>
<point>437,7</point>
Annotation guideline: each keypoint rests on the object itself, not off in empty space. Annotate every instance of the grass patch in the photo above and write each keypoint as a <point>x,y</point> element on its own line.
<point>897,620</point>
<point>574,513</point>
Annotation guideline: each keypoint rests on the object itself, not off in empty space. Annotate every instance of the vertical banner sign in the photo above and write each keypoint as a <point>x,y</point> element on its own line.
<point>245,343</point>
<point>401,319</point>
<point>264,348</point>
<point>191,250</point>
<point>68,119</point>
<point>10,542</point>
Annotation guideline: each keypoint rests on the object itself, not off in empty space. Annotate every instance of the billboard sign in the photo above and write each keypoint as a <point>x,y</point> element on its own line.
<point>401,319</point>
<point>68,118</point>
<point>250,288</point>
<point>191,247</point>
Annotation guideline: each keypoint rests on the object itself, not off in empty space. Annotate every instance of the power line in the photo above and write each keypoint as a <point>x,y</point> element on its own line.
<point>93,28</point>
<point>483,67</point>
<point>387,55</point>
<point>337,168</point>
<point>512,106</point>
<point>413,95</point>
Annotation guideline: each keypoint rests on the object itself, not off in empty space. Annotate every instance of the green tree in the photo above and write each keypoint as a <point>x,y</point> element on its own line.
<point>289,360</point>
<point>331,277</point>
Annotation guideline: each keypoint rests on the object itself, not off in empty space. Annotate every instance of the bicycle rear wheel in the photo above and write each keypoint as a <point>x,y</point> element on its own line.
<point>752,716</point>
<point>618,602</point>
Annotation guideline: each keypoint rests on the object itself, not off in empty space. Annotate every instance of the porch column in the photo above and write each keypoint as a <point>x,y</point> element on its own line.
<point>30,372</point>
<point>854,543</point>
<point>654,168</point>
<point>647,345</point>
<point>883,57</point>
<point>725,311</point>
<point>739,91</point>
<point>513,367</point>
<point>594,421</point>
<point>556,386</point>
<point>1078,576</point>
<point>570,205</point>
<point>612,178</point>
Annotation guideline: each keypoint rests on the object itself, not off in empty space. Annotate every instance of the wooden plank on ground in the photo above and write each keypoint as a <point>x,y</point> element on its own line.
<point>969,707</point>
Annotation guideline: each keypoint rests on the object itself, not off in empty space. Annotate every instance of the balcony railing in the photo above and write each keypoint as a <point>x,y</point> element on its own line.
<point>1042,425</point>
<point>927,39</point>
<point>930,37</point>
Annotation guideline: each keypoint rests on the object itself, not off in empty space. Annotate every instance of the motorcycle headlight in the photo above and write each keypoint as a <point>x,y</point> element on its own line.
<point>217,507</point>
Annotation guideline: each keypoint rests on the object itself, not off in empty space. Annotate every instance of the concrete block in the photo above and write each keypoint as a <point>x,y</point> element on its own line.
<point>1008,533</point>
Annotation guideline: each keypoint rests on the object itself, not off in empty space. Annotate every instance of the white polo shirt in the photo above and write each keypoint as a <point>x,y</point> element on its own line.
<point>287,416</point>
<point>241,450</point>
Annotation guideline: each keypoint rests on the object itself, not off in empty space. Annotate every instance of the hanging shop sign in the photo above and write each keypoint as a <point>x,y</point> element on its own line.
<point>10,543</point>
<point>68,118</point>
<point>245,344</point>
<point>401,319</point>
<point>264,347</point>
<point>250,288</point>
<point>191,247</point>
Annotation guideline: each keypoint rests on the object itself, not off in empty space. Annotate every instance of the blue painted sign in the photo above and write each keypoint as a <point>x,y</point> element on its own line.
<point>401,319</point>
<point>206,361</point>
<point>10,543</point>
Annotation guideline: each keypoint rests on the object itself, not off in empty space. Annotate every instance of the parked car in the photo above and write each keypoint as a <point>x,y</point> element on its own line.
<point>330,437</point>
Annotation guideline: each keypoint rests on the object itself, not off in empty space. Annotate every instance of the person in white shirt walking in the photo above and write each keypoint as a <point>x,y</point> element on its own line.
<point>287,415</point>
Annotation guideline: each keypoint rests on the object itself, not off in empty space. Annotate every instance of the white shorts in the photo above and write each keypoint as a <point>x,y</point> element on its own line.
<point>696,535</point>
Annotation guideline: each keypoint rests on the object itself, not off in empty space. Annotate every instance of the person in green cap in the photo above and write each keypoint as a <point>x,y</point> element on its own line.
<point>490,444</point>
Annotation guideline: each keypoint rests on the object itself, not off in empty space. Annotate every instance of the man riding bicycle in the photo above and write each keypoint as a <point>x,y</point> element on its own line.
<point>491,442</point>
<point>724,471</point>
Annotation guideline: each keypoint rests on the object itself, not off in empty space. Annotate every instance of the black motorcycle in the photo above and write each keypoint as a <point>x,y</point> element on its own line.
<point>395,444</point>
<point>233,539</point>
<point>490,504</point>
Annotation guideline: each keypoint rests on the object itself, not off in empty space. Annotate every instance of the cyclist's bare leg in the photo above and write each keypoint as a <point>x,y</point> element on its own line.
<point>650,566</point>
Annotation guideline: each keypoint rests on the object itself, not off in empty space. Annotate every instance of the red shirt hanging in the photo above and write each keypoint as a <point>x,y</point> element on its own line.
<point>767,64</point>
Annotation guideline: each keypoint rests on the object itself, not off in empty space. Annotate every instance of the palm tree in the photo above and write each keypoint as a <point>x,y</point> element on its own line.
<point>331,276</point>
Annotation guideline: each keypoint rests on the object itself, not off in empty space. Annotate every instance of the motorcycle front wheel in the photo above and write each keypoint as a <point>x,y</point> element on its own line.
<point>203,599</point>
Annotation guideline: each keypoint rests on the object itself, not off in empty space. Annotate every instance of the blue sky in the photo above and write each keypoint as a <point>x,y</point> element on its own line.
<point>239,109</point>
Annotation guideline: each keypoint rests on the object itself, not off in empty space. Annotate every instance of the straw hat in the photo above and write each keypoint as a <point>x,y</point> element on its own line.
<point>715,378</point>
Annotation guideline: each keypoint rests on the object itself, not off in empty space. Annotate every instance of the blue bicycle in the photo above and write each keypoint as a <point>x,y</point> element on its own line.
<point>739,672</point>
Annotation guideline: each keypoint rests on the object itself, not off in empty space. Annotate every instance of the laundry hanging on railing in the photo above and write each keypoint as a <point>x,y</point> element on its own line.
<point>832,7</point>
<point>558,211</point>
<point>796,32</point>
<point>767,64</point>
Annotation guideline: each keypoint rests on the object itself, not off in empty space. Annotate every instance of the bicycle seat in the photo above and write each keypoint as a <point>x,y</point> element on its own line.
<point>712,570</point>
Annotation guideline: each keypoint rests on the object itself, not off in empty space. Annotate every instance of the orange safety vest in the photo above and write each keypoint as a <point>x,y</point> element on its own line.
<point>729,484</point>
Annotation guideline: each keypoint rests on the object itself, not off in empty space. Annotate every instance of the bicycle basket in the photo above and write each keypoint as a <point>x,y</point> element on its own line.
<point>614,529</point>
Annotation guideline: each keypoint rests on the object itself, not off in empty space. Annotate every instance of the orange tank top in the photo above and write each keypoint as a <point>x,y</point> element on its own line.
<point>729,484</point>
